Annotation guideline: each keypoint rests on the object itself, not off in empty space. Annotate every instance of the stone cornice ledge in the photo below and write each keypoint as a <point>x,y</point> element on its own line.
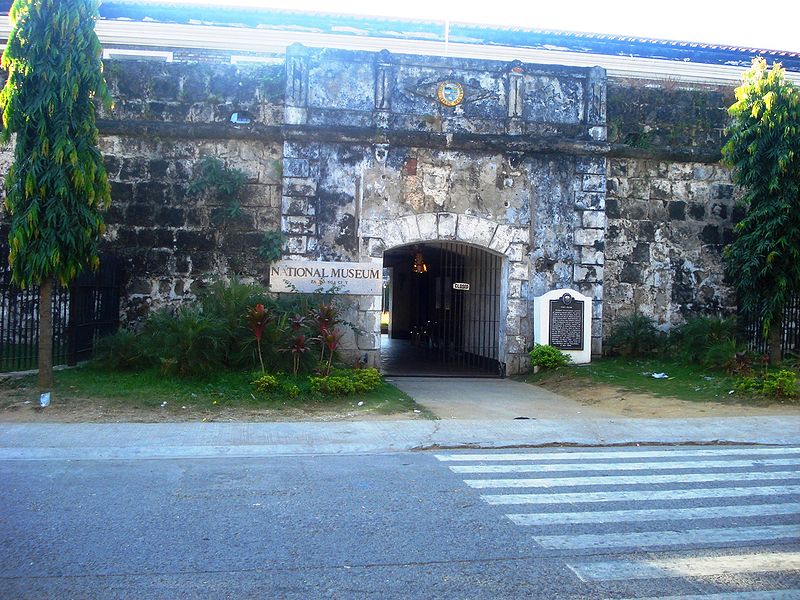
<point>668,153</point>
<point>313,133</point>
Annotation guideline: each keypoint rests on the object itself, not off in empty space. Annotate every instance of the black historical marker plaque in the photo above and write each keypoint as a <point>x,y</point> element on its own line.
<point>566,323</point>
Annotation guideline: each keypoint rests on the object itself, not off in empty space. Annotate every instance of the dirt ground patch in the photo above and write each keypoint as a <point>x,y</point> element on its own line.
<point>627,403</point>
<point>21,406</point>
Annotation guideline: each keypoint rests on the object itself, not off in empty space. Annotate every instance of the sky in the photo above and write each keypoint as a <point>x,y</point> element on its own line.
<point>771,25</point>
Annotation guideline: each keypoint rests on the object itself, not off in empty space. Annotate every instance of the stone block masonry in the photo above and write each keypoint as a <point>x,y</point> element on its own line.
<point>612,188</point>
<point>667,225</point>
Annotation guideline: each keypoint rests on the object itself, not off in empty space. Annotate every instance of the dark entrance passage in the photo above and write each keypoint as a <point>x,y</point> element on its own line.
<point>441,311</point>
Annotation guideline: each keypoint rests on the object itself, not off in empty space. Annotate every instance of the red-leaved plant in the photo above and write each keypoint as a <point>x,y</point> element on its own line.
<point>298,348</point>
<point>258,318</point>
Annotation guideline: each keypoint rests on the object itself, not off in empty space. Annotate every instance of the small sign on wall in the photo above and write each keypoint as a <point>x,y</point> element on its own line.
<point>563,319</point>
<point>310,276</point>
<point>461,286</point>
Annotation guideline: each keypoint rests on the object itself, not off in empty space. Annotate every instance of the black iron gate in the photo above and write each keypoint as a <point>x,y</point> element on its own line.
<point>457,314</point>
<point>82,312</point>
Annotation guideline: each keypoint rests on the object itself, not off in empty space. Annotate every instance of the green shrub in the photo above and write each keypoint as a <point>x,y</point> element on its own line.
<point>548,357</point>
<point>776,384</point>
<point>265,383</point>
<point>708,340</point>
<point>748,385</point>
<point>228,302</point>
<point>781,384</point>
<point>188,342</point>
<point>124,350</point>
<point>290,390</point>
<point>366,380</point>
<point>721,356</point>
<point>633,335</point>
<point>333,385</point>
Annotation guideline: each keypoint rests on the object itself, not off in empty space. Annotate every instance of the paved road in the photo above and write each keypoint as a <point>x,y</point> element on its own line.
<point>705,522</point>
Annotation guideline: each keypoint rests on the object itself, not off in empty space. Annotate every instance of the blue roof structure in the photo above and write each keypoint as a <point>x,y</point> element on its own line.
<point>423,30</point>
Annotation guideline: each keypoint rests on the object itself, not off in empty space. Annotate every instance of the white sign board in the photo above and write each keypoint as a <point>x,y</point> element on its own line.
<point>309,276</point>
<point>563,318</point>
<point>461,286</point>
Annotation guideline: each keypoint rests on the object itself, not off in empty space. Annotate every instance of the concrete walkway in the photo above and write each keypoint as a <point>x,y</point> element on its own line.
<point>208,440</point>
<point>490,399</point>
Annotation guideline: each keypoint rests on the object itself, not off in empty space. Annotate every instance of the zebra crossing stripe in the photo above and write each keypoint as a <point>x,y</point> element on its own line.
<point>638,495</point>
<point>621,466</point>
<point>639,539</point>
<point>689,566</point>
<point>760,595</point>
<point>629,479</point>
<point>656,514</point>
<point>566,455</point>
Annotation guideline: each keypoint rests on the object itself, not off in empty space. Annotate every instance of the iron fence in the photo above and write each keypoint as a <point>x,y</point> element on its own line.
<point>82,312</point>
<point>790,330</point>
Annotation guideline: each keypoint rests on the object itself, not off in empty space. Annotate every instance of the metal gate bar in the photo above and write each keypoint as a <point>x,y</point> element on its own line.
<point>465,330</point>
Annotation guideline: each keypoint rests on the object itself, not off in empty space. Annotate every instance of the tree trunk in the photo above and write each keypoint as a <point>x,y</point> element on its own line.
<point>775,340</point>
<point>46,335</point>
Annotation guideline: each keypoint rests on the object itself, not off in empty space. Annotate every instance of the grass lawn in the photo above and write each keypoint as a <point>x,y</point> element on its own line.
<point>685,382</point>
<point>227,392</point>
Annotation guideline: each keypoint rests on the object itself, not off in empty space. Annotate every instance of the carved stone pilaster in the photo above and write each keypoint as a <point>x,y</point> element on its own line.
<point>296,111</point>
<point>516,95</point>
<point>384,82</point>
<point>596,104</point>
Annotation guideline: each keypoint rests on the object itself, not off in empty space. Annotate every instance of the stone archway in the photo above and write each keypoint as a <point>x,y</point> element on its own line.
<point>511,241</point>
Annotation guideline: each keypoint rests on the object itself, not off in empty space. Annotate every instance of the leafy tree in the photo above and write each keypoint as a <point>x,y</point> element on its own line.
<point>57,183</point>
<point>764,150</point>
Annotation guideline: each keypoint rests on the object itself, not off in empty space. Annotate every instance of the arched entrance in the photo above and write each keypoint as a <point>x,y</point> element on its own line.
<point>442,308</point>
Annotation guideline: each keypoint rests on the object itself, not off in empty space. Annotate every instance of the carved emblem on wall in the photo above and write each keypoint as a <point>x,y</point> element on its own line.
<point>450,93</point>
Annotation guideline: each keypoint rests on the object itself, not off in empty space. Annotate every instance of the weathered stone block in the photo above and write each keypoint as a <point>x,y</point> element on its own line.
<point>699,191</point>
<point>368,341</point>
<point>593,165</point>
<point>467,228</point>
<point>660,189</point>
<point>447,226</point>
<point>298,225</point>
<point>295,167</point>
<point>593,219</point>
<point>409,230</point>
<point>598,133</point>
<point>518,270</point>
<point>721,191</point>
<point>590,256</point>
<point>617,187</point>
<point>588,273</point>
<point>593,183</point>
<point>677,211</point>
<point>296,244</point>
<point>597,328</point>
<point>503,236</point>
<point>427,225</point>
<point>375,247</point>
<point>639,187</point>
<point>588,237</point>
<point>299,187</point>
<point>679,171</point>
<point>597,309</point>
<point>297,206</point>
<point>516,252</point>
<point>590,201</point>
<point>703,172</point>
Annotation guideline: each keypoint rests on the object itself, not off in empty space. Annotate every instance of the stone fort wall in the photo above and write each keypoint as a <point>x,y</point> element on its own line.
<point>610,187</point>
